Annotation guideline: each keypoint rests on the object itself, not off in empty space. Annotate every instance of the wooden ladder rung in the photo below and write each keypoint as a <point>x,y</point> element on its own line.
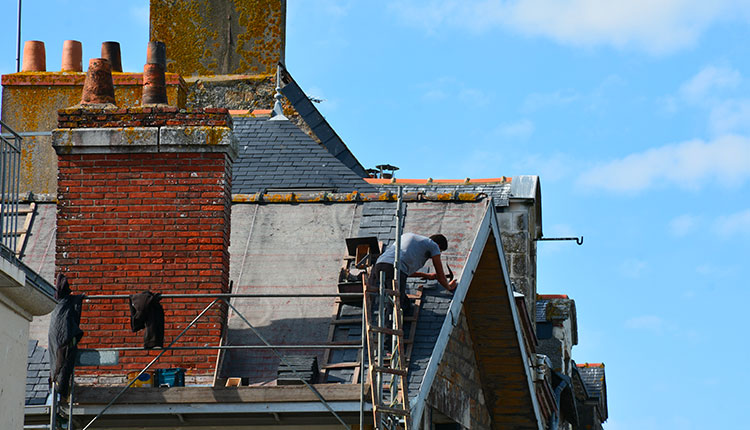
<point>342,365</point>
<point>387,410</point>
<point>388,291</point>
<point>384,330</point>
<point>390,370</point>
<point>347,321</point>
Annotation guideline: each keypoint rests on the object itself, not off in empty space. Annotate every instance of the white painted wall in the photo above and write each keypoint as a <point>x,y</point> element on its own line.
<point>14,339</point>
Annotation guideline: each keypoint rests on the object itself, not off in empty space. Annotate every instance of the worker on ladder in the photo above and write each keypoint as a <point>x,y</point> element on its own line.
<point>415,251</point>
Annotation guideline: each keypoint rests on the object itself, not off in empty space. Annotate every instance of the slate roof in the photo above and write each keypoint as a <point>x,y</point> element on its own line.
<point>37,374</point>
<point>593,377</point>
<point>541,310</point>
<point>299,248</point>
<point>320,127</point>
<point>278,154</point>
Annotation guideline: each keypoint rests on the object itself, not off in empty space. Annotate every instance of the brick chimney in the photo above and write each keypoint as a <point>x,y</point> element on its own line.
<point>144,198</point>
<point>221,37</point>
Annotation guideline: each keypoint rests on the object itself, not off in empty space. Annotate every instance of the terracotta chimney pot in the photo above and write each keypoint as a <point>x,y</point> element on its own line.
<point>34,57</point>
<point>157,54</point>
<point>71,56</point>
<point>98,87</point>
<point>111,52</point>
<point>154,85</point>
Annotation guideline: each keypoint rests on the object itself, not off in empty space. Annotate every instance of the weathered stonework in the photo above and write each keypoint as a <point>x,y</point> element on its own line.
<point>23,95</point>
<point>220,37</point>
<point>457,391</point>
<point>517,223</point>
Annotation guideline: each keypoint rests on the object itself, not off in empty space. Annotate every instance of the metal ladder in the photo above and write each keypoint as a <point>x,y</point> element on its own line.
<point>387,375</point>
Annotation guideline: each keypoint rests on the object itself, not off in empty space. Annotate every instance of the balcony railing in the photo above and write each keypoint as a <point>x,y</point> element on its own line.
<point>10,171</point>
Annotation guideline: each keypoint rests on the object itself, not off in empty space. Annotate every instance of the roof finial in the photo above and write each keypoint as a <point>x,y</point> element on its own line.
<point>278,111</point>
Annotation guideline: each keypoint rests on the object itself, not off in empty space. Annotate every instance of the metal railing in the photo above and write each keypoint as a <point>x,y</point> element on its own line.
<point>10,173</point>
<point>226,298</point>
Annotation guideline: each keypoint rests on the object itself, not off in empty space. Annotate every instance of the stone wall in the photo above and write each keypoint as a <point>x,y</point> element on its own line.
<point>517,223</point>
<point>457,391</point>
<point>220,37</point>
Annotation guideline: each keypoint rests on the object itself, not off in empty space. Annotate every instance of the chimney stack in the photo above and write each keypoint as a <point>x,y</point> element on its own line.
<point>144,203</point>
<point>154,82</point>
<point>34,57</point>
<point>72,56</point>
<point>98,87</point>
<point>111,51</point>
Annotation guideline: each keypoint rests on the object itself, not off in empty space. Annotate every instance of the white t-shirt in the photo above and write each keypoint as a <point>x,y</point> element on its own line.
<point>415,251</point>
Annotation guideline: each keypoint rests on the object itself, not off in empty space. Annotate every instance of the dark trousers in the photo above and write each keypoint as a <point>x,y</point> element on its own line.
<point>387,269</point>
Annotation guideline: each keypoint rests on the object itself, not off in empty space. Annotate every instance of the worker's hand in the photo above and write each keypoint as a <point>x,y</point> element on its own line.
<point>430,276</point>
<point>452,285</point>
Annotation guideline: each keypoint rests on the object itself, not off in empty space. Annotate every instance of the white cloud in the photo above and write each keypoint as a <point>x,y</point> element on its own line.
<point>536,101</point>
<point>714,89</point>
<point>730,116</point>
<point>519,130</point>
<point>734,224</point>
<point>708,80</point>
<point>633,268</point>
<point>646,322</point>
<point>683,224</point>
<point>652,26</point>
<point>692,164</point>
<point>451,89</point>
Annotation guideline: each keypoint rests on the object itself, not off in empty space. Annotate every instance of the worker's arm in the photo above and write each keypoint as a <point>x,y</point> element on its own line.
<point>439,275</point>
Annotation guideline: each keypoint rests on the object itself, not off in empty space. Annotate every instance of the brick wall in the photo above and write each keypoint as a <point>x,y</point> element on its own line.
<point>145,215</point>
<point>457,390</point>
<point>76,117</point>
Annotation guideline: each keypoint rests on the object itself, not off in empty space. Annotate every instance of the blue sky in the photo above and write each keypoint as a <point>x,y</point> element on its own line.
<point>635,113</point>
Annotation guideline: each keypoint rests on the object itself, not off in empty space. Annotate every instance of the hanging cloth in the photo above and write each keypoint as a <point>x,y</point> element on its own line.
<point>146,312</point>
<point>64,335</point>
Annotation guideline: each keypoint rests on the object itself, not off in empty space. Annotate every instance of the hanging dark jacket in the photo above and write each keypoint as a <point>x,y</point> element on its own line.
<point>146,312</point>
<point>64,335</point>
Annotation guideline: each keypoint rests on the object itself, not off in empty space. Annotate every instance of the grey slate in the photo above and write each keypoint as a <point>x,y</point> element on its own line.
<point>593,378</point>
<point>541,310</point>
<point>278,154</point>
<point>37,374</point>
<point>317,123</point>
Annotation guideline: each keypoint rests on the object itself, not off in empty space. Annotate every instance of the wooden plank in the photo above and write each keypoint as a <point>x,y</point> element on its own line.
<point>347,321</point>
<point>27,223</point>
<point>375,291</point>
<point>387,410</point>
<point>390,370</point>
<point>183,395</point>
<point>343,365</point>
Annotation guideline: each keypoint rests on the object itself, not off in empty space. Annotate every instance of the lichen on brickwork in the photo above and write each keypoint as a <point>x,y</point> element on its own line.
<point>181,26</point>
<point>205,37</point>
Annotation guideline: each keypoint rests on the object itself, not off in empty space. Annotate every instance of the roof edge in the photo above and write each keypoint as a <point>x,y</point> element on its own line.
<point>454,311</point>
<point>517,324</point>
<point>354,196</point>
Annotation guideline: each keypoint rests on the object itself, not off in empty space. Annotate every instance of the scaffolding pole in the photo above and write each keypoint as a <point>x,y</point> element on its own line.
<point>281,357</point>
<point>151,363</point>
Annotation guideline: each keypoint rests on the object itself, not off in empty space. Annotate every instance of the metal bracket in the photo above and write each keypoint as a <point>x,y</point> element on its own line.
<point>579,241</point>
